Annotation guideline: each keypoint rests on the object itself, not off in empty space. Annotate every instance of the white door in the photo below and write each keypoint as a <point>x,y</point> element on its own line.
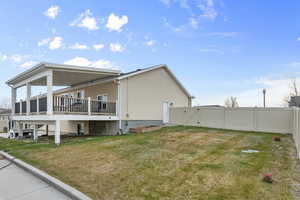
<point>166,112</point>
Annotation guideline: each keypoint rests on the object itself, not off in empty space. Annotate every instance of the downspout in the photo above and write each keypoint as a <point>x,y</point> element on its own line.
<point>119,107</point>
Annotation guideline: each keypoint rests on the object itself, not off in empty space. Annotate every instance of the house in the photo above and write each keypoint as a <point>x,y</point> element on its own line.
<point>95,101</point>
<point>294,101</point>
<point>4,119</point>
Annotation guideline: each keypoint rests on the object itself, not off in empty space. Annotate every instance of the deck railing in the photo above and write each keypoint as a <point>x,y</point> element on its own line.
<point>70,105</point>
<point>99,107</point>
<point>67,105</point>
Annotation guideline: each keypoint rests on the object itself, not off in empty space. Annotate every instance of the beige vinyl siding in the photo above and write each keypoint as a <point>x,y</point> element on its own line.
<point>67,127</point>
<point>143,95</point>
<point>109,88</point>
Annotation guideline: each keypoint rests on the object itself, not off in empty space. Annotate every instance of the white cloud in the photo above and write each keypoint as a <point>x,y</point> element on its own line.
<point>53,30</point>
<point>81,61</point>
<point>103,64</point>
<point>194,23</point>
<point>208,9</point>
<point>166,2</point>
<point>44,42</point>
<point>173,28</point>
<point>211,50</point>
<point>116,47</point>
<point>115,23</point>
<point>298,39</point>
<point>277,90</point>
<point>16,58</point>
<point>56,43</point>
<point>182,3</point>
<point>223,34</point>
<point>78,46</point>
<point>28,64</point>
<point>52,12</point>
<point>86,20</point>
<point>98,47</point>
<point>3,57</point>
<point>150,42</point>
<point>294,64</point>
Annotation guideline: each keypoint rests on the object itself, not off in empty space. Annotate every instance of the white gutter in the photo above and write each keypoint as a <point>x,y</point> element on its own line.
<point>119,105</point>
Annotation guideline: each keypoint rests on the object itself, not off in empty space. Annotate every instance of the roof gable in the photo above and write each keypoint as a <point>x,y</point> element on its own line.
<point>141,71</point>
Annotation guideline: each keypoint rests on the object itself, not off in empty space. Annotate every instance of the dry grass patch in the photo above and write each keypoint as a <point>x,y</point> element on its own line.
<point>172,163</point>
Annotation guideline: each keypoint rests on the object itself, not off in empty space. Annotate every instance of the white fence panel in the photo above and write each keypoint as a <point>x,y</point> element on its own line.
<point>279,120</point>
<point>240,119</point>
<point>210,117</point>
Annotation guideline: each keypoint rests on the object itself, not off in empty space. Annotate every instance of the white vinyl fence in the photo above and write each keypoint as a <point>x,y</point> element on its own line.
<point>276,120</point>
<point>296,129</point>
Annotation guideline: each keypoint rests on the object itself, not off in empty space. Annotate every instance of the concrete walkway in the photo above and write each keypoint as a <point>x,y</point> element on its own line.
<point>4,135</point>
<point>16,183</point>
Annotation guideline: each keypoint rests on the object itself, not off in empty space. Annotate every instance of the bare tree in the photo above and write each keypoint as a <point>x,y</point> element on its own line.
<point>231,102</point>
<point>293,91</point>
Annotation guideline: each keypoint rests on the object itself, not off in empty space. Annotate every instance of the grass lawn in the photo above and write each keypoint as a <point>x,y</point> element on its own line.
<point>172,163</point>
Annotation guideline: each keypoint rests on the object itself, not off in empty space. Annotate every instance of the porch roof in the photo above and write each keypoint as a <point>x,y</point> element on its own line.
<point>63,75</point>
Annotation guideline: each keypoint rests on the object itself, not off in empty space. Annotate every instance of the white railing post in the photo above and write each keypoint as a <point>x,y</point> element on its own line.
<point>89,105</point>
<point>20,106</point>
<point>37,105</point>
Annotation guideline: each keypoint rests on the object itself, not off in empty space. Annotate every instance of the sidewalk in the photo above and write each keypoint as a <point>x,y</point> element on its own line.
<point>15,183</point>
<point>4,135</point>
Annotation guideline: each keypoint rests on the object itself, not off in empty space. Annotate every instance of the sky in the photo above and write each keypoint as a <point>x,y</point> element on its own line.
<point>216,48</point>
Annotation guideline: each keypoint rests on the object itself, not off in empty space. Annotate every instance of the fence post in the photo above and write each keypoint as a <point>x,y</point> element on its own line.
<point>224,118</point>
<point>89,105</point>
<point>255,119</point>
<point>295,130</point>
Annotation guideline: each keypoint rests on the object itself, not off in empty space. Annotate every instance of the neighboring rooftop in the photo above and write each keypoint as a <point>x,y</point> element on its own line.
<point>4,111</point>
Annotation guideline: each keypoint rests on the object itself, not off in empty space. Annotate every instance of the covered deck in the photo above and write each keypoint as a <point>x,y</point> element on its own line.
<point>51,107</point>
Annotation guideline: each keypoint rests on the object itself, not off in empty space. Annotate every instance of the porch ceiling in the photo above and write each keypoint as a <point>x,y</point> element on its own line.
<point>69,78</point>
<point>63,75</point>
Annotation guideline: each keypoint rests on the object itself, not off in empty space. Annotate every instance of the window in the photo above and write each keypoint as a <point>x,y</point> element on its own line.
<point>102,101</point>
<point>79,95</point>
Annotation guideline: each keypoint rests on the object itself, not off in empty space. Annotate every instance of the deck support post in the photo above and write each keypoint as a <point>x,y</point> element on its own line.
<point>20,107</point>
<point>13,99</point>
<point>37,105</point>
<point>35,134</point>
<point>20,129</point>
<point>28,92</point>
<point>57,132</point>
<point>47,129</point>
<point>89,105</point>
<point>50,92</point>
